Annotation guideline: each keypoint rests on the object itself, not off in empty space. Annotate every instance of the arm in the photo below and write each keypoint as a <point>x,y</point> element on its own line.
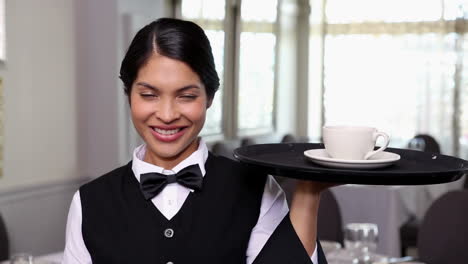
<point>75,248</point>
<point>304,211</point>
<point>274,226</point>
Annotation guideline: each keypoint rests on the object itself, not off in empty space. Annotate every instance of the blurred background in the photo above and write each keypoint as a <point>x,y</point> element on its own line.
<point>286,67</point>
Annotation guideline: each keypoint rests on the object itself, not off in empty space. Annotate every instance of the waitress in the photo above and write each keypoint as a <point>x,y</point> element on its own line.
<point>176,202</point>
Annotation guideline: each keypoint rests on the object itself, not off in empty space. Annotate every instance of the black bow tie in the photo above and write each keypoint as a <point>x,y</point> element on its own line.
<point>152,183</point>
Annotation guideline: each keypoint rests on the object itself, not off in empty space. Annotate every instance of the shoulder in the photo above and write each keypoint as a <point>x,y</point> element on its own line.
<point>235,171</point>
<point>219,160</point>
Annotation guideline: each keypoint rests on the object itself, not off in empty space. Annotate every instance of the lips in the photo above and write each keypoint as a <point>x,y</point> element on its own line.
<point>168,134</point>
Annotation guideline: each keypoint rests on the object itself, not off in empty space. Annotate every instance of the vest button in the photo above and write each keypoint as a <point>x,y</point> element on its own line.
<point>169,233</point>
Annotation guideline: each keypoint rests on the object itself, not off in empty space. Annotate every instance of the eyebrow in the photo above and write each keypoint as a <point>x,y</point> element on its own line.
<point>149,86</point>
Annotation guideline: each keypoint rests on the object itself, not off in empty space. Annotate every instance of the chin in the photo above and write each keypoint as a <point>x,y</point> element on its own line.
<point>167,150</point>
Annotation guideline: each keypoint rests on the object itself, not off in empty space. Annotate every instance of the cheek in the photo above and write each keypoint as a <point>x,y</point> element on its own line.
<point>197,113</point>
<point>140,111</point>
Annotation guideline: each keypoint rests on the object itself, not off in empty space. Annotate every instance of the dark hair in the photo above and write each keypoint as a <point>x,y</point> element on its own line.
<point>174,38</point>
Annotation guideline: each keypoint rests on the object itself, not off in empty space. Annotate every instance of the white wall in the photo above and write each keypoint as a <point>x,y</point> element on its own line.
<point>39,93</point>
<point>40,123</point>
<point>97,72</point>
<point>36,216</point>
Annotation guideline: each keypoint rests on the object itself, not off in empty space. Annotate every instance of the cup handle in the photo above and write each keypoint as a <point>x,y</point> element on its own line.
<point>382,148</point>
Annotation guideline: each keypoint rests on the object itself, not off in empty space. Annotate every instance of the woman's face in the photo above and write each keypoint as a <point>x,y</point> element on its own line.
<point>168,106</point>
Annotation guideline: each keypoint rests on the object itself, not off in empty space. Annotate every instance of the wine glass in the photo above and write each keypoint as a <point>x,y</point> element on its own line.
<point>22,258</point>
<point>361,242</point>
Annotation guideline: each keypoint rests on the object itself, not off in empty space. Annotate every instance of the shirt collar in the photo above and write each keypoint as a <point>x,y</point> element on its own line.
<point>139,166</point>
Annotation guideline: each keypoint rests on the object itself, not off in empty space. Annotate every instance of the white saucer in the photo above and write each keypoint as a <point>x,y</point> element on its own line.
<point>379,160</point>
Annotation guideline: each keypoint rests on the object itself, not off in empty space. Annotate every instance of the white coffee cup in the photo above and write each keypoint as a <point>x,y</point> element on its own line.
<point>352,142</point>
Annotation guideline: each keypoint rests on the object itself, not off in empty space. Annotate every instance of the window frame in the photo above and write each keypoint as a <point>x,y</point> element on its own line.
<point>230,107</point>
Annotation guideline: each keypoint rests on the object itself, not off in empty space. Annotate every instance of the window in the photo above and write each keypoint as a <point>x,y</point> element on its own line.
<point>397,65</point>
<point>245,103</point>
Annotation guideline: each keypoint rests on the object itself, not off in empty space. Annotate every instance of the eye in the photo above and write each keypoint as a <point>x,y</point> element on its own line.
<point>147,95</point>
<point>188,97</point>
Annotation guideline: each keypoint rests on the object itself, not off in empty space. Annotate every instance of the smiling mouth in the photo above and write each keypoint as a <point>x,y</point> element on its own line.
<point>168,135</point>
<point>167,132</point>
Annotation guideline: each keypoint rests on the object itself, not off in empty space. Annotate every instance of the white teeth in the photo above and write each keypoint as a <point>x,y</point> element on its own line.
<point>166,132</point>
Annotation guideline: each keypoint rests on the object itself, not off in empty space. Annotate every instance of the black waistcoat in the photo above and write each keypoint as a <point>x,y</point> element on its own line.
<point>213,225</point>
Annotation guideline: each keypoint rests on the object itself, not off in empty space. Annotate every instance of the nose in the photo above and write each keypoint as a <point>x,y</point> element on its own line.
<point>167,111</point>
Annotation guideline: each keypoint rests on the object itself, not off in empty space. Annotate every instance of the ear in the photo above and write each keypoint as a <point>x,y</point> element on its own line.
<point>209,102</point>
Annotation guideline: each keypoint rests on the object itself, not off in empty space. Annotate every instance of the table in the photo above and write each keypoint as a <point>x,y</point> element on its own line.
<point>389,207</point>
<point>52,258</point>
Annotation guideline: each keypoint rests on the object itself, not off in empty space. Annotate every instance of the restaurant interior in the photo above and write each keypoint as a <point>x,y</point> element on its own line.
<point>287,68</point>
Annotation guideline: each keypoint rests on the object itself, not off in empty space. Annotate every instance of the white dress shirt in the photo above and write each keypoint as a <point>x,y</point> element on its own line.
<point>169,201</point>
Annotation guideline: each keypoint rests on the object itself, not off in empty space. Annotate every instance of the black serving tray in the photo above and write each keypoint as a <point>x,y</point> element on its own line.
<point>414,167</point>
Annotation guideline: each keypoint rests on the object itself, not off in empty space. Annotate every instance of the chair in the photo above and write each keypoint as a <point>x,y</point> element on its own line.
<point>425,143</point>
<point>4,244</point>
<point>247,141</point>
<point>289,138</point>
<point>409,230</point>
<point>409,234</point>
<point>443,234</point>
